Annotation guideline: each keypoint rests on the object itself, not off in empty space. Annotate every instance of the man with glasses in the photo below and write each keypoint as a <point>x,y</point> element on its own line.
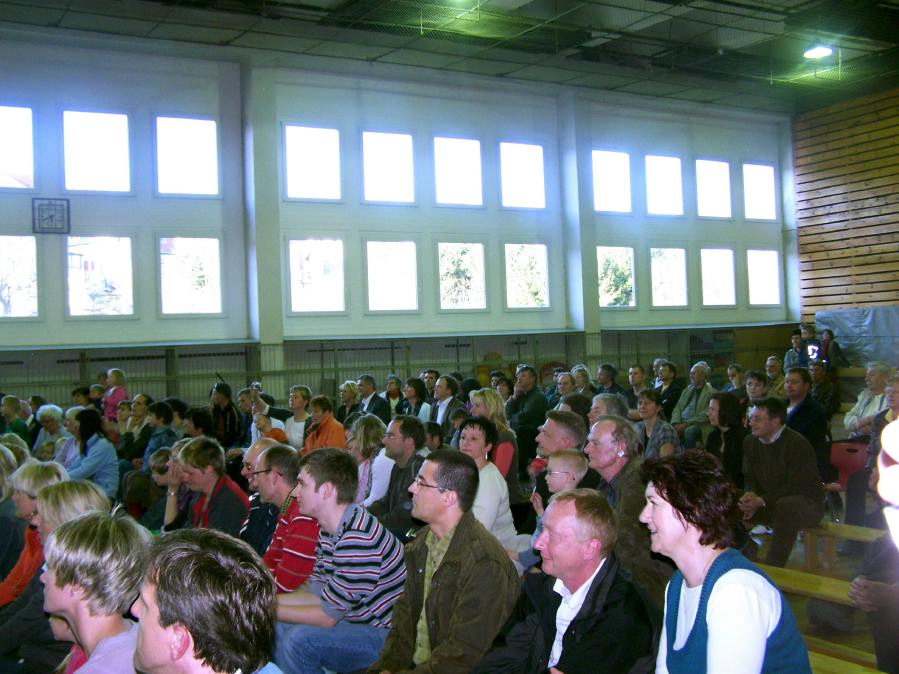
<point>262,518</point>
<point>460,585</point>
<point>780,472</point>
<point>404,439</point>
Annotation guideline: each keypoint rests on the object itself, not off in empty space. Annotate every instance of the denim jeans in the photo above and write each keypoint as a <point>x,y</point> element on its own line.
<point>346,647</point>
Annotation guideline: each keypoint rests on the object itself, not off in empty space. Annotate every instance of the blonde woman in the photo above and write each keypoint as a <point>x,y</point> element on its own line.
<point>365,440</point>
<point>349,400</point>
<point>583,382</point>
<point>17,446</point>
<point>486,402</point>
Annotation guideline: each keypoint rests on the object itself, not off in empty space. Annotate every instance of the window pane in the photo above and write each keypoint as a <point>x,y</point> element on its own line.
<point>527,280</point>
<point>17,143</point>
<point>611,181</point>
<point>392,276</point>
<point>616,276</point>
<point>100,276</point>
<point>668,267</point>
<point>462,276</point>
<point>18,276</point>
<point>664,190</point>
<point>387,167</point>
<point>316,275</point>
<point>190,276</point>
<point>186,156</point>
<point>718,276</point>
<point>758,192</point>
<point>713,188</point>
<point>521,169</point>
<point>96,151</point>
<point>457,170</point>
<point>312,162</point>
<point>764,276</point>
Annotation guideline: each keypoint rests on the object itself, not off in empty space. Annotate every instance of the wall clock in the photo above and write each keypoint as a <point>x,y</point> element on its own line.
<point>50,216</point>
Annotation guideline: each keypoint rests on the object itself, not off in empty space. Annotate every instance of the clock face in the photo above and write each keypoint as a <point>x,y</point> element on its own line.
<point>50,215</point>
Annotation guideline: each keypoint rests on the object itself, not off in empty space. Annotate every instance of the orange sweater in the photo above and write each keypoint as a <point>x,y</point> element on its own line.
<point>30,560</point>
<point>330,433</point>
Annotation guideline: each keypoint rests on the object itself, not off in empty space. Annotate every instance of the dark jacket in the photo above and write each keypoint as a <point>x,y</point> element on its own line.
<point>472,593</point>
<point>226,422</point>
<point>786,467</point>
<point>616,630</point>
<point>133,446</point>
<point>377,406</point>
<point>526,414</point>
<point>394,509</point>
<point>25,631</point>
<point>809,419</point>
<point>447,423</point>
<point>670,397</point>
<point>728,447</point>
<point>341,412</point>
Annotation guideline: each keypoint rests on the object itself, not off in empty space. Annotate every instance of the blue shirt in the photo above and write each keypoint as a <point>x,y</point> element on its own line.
<point>99,464</point>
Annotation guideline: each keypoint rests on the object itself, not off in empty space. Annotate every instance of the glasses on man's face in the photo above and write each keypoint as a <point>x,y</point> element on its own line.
<point>421,483</point>
<point>557,472</point>
<point>260,472</point>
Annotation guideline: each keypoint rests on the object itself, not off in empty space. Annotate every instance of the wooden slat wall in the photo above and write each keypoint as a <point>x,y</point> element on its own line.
<point>846,161</point>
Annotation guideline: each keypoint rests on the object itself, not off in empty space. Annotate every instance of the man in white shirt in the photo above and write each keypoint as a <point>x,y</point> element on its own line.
<point>445,401</point>
<point>371,402</point>
<point>870,401</point>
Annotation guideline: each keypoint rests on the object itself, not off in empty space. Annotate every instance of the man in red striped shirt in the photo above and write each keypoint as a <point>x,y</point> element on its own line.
<point>291,554</point>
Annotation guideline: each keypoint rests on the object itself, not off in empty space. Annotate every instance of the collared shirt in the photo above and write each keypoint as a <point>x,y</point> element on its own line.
<point>774,438</point>
<point>366,402</point>
<point>437,548</point>
<point>441,408</point>
<point>568,610</point>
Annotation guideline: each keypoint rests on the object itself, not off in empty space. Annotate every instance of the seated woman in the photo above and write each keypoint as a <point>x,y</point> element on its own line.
<point>68,449</point>
<point>349,400</point>
<point>325,431</point>
<point>95,564</point>
<point>27,634</point>
<point>691,512</point>
<point>415,397</point>
<point>12,528</point>
<point>657,436</point>
<point>97,457</point>
<point>365,440</point>
<point>486,402</point>
<point>728,432</point>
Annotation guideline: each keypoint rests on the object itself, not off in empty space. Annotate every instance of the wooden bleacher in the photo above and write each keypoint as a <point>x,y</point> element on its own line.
<point>839,651</point>
<point>791,581</point>
<point>831,533</point>
<point>826,664</point>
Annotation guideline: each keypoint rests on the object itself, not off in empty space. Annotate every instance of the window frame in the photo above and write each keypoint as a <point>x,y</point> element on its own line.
<point>433,155</point>
<point>730,183</point>
<point>135,314</point>
<point>39,295</point>
<point>499,164</point>
<point>461,238</point>
<point>385,237</point>
<point>316,234</point>
<point>221,244</point>
<point>634,252</point>
<point>131,117</point>
<point>368,202</point>
<point>713,307</point>
<point>35,160</point>
<point>341,149</point>
<point>550,286</point>
<point>686,306</point>
<point>219,195</point>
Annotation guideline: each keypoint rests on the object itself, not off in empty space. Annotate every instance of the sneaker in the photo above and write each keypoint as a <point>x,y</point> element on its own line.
<point>760,530</point>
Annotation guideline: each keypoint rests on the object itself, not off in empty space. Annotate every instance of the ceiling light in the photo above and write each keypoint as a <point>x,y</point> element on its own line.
<point>818,51</point>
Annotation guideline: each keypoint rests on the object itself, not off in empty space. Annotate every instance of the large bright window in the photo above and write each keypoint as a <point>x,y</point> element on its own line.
<point>615,267</point>
<point>190,276</point>
<point>461,267</point>
<point>521,172</point>
<point>664,186</point>
<point>18,276</point>
<point>668,267</point>
<point>611,181</point>
<point>457,171</point>
<point>100,278</point>
<point>527,278</point>
<point>718,287</point>
<point>387,167</point>
<point>392,276</point>
<point>713,188</point>
<point>758,192</point>
<point>312,162</point>
<point>763,268</point>
<point>316,275</point>
<point>96,151</point>
<point>16,148</point>
<point>186,156</point>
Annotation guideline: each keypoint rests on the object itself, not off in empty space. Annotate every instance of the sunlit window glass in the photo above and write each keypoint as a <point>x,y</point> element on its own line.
<point>521,172</point>
<point>316,275</point>
<point>718,276</point>
<point>387,167</point>
<point>190,276</point>
<point>18,276</point>
<point>713,188</point>
<point>668,268</point>
<point>763,267</point>
<point>461,267</point>
<point>99,276</point>
<point>312,162</point>
<point>96,151</point>
<point>16,148</point>
<point>457,171</point>
<point>611,181</point>
<point>186,156</point>
<point>527,279</point>
<point>615,267</point>
<point>392,276</point>
<point>758,192</point>
<point>664,186</point>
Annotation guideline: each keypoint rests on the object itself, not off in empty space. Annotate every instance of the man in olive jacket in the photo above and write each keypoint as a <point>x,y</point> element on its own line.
<point>460,584</point>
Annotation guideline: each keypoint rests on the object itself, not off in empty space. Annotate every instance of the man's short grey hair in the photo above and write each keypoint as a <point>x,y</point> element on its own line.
<point>49,411</point>
<point>616,405</point>
<point>624,432</point>
<point>72,411</point>
<point>702,365</point>
<point>881,367</point>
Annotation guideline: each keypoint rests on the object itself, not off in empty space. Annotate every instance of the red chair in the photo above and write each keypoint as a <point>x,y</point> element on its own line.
<point>847,458</point>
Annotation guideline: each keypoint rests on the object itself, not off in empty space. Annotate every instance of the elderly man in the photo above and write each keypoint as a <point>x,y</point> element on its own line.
<point>607,404</point>
<point>587,615</point>
<point>460,586</point>
<point>340,619</point>
<point>262,518</point>
<point>780,472</point>
<point>525,411</point>
<point>403,442</point>
<point>774,371</point>
<point>205,606</point>
<point>859,419</point>
<point>50,419</point>
<point>690,416</point>
<point>613,450</point>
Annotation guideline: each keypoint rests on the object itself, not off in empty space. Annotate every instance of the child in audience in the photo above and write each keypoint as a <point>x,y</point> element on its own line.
<point>457,416</point>
<point>566,469</point>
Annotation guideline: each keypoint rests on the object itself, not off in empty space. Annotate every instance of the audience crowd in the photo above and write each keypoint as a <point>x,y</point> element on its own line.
<point>391,530</point>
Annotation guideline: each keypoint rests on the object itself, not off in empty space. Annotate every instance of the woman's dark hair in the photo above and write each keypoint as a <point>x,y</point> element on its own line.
<point>700,492</point>
<point>89,424</point>
<point>508,383</point>
<point>730,412</point>
<point>421,393</point>
<point>468,385</point>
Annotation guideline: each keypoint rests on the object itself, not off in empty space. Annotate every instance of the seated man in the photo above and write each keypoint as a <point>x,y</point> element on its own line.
<point>859,419</point>
<point>217,502</point>
<point>756,386</point>
<point>774,370</point>
<point>605,379</point>
<point>205,606</point>
<point>670,388</point>
<point>340,618</point>
<point>690,416</point>
<point>262,518</point>
<point>94,566</point>
<point>460,586</point>
<point>291,554</point>
<point>587,615</point>
<point>780,472</point>
<point>797,356</point>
